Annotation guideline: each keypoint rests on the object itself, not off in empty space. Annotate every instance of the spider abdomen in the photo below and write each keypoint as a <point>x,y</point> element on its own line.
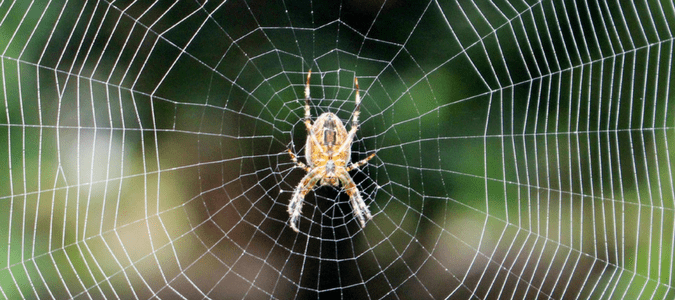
<point>331,135</point>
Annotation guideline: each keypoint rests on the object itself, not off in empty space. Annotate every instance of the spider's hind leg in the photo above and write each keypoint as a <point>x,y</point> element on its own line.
<point>357,110</point>
<point>355,120</point>
<point>308,113</point>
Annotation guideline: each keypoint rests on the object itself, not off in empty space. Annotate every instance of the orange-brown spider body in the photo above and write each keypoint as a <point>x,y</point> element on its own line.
<point>331,135</point>
<point>328,154</point>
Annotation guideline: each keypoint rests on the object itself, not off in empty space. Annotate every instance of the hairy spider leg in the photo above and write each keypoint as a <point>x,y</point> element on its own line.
<point>359,207</point>
<point>357,110</point>
<point>298,163</point>
<point>305,185</point>
<point>355,120</point>
<point>359,163</point>
<point>308,116</point>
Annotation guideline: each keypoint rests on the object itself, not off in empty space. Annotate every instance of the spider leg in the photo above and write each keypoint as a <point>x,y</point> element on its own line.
<point>308,112</point>
<point>355,120</point>
<point>295,205</point>
<point>359,163</point>
<point>308,115</point>
<point>295,160</point>
<point>357,110</point>
<point>359,207</point>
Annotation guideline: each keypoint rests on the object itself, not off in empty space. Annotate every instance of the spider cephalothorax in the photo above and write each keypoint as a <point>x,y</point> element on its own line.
<point>328,153</point>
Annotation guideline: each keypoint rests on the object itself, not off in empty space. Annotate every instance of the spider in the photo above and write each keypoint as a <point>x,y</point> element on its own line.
<point>327,152</point>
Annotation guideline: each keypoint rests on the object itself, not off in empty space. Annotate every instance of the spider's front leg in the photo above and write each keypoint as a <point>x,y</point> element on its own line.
<point>359,207</point>
<point>295,206</point>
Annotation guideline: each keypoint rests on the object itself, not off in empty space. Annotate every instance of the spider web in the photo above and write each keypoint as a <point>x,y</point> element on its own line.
<point>524,150</point>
